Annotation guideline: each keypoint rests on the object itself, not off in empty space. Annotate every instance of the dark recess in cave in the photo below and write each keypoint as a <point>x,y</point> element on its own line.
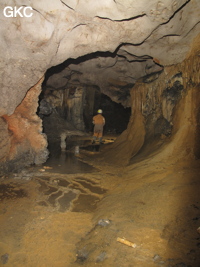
<point>116,116</point>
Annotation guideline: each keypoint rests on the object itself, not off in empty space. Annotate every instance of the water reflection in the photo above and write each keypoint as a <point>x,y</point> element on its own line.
<point>66,162</point>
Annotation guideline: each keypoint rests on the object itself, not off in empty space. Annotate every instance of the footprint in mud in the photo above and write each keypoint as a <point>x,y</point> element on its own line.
<point>11,191</point>
<point>85,203</point>
<point>66,200</point>
<point>4,258</point>
<point>52,198</point>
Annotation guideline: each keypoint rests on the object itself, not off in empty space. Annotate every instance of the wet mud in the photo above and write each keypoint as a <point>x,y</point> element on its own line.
<point>77,194</point>
<point>70,213</point>
<point>11,191</point>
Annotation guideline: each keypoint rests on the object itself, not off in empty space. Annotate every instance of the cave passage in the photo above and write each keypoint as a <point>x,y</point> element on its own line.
<point>69,101</point>
<point>133,199</point>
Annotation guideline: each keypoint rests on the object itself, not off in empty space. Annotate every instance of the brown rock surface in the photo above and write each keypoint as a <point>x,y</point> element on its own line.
<point>24,134</point>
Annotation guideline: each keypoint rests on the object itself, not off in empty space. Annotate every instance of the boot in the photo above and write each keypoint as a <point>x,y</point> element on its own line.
<point>94,140</point>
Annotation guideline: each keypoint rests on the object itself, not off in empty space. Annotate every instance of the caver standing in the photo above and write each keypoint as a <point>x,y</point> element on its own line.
<point>99,122</point>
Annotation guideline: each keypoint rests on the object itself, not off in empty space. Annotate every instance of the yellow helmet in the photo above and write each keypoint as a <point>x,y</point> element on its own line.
<point>100,111</point>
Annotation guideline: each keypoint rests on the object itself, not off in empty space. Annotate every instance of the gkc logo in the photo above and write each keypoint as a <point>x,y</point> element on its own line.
<point>20,11</point>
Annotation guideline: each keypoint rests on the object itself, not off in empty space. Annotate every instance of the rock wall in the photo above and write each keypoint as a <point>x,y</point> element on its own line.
<point>74,104</point>
<point>61,30</point>
<point>4,139</point>
<point>75,108</point>
<point>165,116</point>
<point>22,142</point>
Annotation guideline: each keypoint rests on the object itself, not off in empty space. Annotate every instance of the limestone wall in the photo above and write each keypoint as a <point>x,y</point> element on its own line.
<point>165,116</point>
<point>21,140</point>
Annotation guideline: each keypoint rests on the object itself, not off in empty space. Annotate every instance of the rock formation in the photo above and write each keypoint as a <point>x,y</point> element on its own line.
<point>23,142</point>
<point>166,114</point>
<point>142,54</point>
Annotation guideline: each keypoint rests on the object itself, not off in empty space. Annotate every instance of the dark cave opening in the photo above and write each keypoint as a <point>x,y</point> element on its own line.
<point>116,116</point>
<point>74,90</point>
<point>54,117</point>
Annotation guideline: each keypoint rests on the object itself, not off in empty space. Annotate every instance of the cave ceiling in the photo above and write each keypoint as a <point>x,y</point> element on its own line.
<point>108,43</point>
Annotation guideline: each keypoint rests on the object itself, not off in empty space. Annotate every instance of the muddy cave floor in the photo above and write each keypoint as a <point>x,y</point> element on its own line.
<point>71,210</point>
